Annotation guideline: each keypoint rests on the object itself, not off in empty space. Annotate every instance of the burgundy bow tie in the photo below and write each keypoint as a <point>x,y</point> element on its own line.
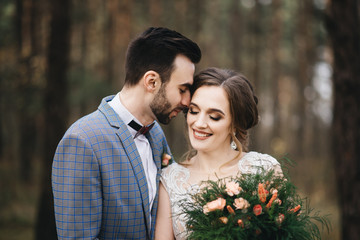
<point>140,129</point>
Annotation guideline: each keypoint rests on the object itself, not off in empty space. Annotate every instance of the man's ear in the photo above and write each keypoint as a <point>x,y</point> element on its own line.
<point>152,81</point>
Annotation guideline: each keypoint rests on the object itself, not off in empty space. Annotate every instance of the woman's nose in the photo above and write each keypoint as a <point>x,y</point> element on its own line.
<point>200,122</point>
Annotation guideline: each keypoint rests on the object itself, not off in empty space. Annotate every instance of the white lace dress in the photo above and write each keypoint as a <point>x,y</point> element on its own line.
<point>177,181</point>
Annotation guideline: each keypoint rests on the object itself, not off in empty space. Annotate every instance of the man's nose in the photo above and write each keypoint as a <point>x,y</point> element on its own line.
<point>185,100</point>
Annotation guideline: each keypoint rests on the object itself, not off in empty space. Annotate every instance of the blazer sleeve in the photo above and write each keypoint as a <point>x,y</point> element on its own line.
<point>77,189</point>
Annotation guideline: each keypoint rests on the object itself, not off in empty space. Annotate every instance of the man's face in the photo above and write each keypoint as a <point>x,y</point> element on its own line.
<point>174,96</point>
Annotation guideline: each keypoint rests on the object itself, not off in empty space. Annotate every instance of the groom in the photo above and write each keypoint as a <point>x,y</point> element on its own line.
<point>106,168</point>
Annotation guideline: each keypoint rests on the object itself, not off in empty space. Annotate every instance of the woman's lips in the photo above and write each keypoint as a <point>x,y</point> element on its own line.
<point>201,135</point>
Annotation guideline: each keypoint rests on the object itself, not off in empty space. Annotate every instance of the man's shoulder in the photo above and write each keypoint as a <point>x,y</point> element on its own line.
<point>88,124</point>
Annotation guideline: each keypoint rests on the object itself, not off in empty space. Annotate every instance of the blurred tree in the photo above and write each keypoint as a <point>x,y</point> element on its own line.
<point>28,48</point>
<point>343,26</point>
<point>156,11</point>
<point>275,41</point>
<point>118,31</point>
<point>56,109</point>
<point>236,34</point>
<point>256,41</point>
<point>306,57</point>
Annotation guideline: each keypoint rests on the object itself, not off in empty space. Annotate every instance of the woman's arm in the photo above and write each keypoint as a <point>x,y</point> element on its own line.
<point>163,227</point>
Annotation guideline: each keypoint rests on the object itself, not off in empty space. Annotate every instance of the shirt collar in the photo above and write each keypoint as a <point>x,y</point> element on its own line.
<point>121,110</point>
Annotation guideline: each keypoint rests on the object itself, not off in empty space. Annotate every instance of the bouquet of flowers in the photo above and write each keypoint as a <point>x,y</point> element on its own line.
<point>252,206</point>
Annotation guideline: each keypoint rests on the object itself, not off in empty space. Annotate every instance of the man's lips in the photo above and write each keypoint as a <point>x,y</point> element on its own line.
<point>175,112</point>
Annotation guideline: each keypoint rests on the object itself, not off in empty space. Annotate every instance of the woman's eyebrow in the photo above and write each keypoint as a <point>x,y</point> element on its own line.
<point>210,110</point>
<point>216,110</point>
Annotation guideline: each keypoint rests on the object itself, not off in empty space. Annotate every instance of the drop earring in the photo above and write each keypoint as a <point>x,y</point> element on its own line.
<point>233,145</point>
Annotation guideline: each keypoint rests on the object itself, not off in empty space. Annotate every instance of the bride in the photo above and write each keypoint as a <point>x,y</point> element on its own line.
<point>223,107</point>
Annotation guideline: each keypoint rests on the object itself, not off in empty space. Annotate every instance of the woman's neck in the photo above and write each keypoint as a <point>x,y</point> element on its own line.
<point>215,162</point>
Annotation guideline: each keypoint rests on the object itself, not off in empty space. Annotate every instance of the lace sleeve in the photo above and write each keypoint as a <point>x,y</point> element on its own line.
<point>254,162</point>
<point>175,180</point>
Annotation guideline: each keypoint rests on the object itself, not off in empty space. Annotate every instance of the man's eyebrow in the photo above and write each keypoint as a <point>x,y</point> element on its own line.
<point>187,85</point>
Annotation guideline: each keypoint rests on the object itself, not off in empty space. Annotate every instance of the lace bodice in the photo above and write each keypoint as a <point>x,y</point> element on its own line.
<point>178,182</point>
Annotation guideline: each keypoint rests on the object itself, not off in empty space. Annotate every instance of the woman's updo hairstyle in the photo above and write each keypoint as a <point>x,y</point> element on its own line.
<point>243,102</point>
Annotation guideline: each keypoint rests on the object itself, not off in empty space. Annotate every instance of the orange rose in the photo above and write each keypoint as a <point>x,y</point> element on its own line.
<point>257,209</point>
<point>240,223</point>
<point>241,203</point>
<point>217,204</point>
<point>232,188</point>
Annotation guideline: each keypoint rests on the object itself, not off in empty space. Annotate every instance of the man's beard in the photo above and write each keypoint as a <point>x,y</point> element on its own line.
<point>161,107</point>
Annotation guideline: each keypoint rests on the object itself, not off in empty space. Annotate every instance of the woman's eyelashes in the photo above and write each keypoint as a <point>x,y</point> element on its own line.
<point>214,117</point>
<point>192,111</point>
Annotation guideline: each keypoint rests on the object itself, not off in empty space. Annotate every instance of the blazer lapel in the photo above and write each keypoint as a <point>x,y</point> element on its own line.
<point>132,153</point>
<point>157,148</point>
<point>137,166</point>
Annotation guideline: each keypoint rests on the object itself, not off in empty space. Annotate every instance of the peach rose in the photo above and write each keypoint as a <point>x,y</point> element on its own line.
<point>279,219</point>
<point>217,204</point>
<point>257,209</point>
<point>232,188</point>
<point>224,220</point>
<point>278,201</point>
<point>241,203</point>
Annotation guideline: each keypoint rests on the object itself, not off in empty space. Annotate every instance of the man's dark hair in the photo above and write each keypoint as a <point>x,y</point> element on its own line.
<point>156,49</point>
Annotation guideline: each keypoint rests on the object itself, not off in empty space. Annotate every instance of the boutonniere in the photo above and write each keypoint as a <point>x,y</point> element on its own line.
<point>165,160</point>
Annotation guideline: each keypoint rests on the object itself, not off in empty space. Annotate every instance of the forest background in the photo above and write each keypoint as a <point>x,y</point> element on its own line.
<point>59,58</point>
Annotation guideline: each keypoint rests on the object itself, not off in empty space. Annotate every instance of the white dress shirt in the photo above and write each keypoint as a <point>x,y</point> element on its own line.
<point>143,147</point>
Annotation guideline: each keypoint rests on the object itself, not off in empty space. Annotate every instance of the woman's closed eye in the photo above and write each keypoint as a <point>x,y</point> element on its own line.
<point>215,118</point>
<point>193,111</point>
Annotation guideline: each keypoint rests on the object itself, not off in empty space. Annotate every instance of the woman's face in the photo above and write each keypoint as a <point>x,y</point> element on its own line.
<point>209,119</point>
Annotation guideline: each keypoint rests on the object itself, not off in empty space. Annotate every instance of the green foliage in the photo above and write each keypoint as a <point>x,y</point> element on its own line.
<point>85,87</point>
<point>7,9</point>
<point>280,220</point>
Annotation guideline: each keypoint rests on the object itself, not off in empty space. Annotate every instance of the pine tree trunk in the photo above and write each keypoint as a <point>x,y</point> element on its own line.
<point>236,34</point>
<point>343,27</point>
<point>56,110</point>
<point>305,56</point>
<point>275,39</point>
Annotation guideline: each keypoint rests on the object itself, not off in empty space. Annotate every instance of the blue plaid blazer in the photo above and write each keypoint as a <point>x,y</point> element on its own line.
<point>98,180</point>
